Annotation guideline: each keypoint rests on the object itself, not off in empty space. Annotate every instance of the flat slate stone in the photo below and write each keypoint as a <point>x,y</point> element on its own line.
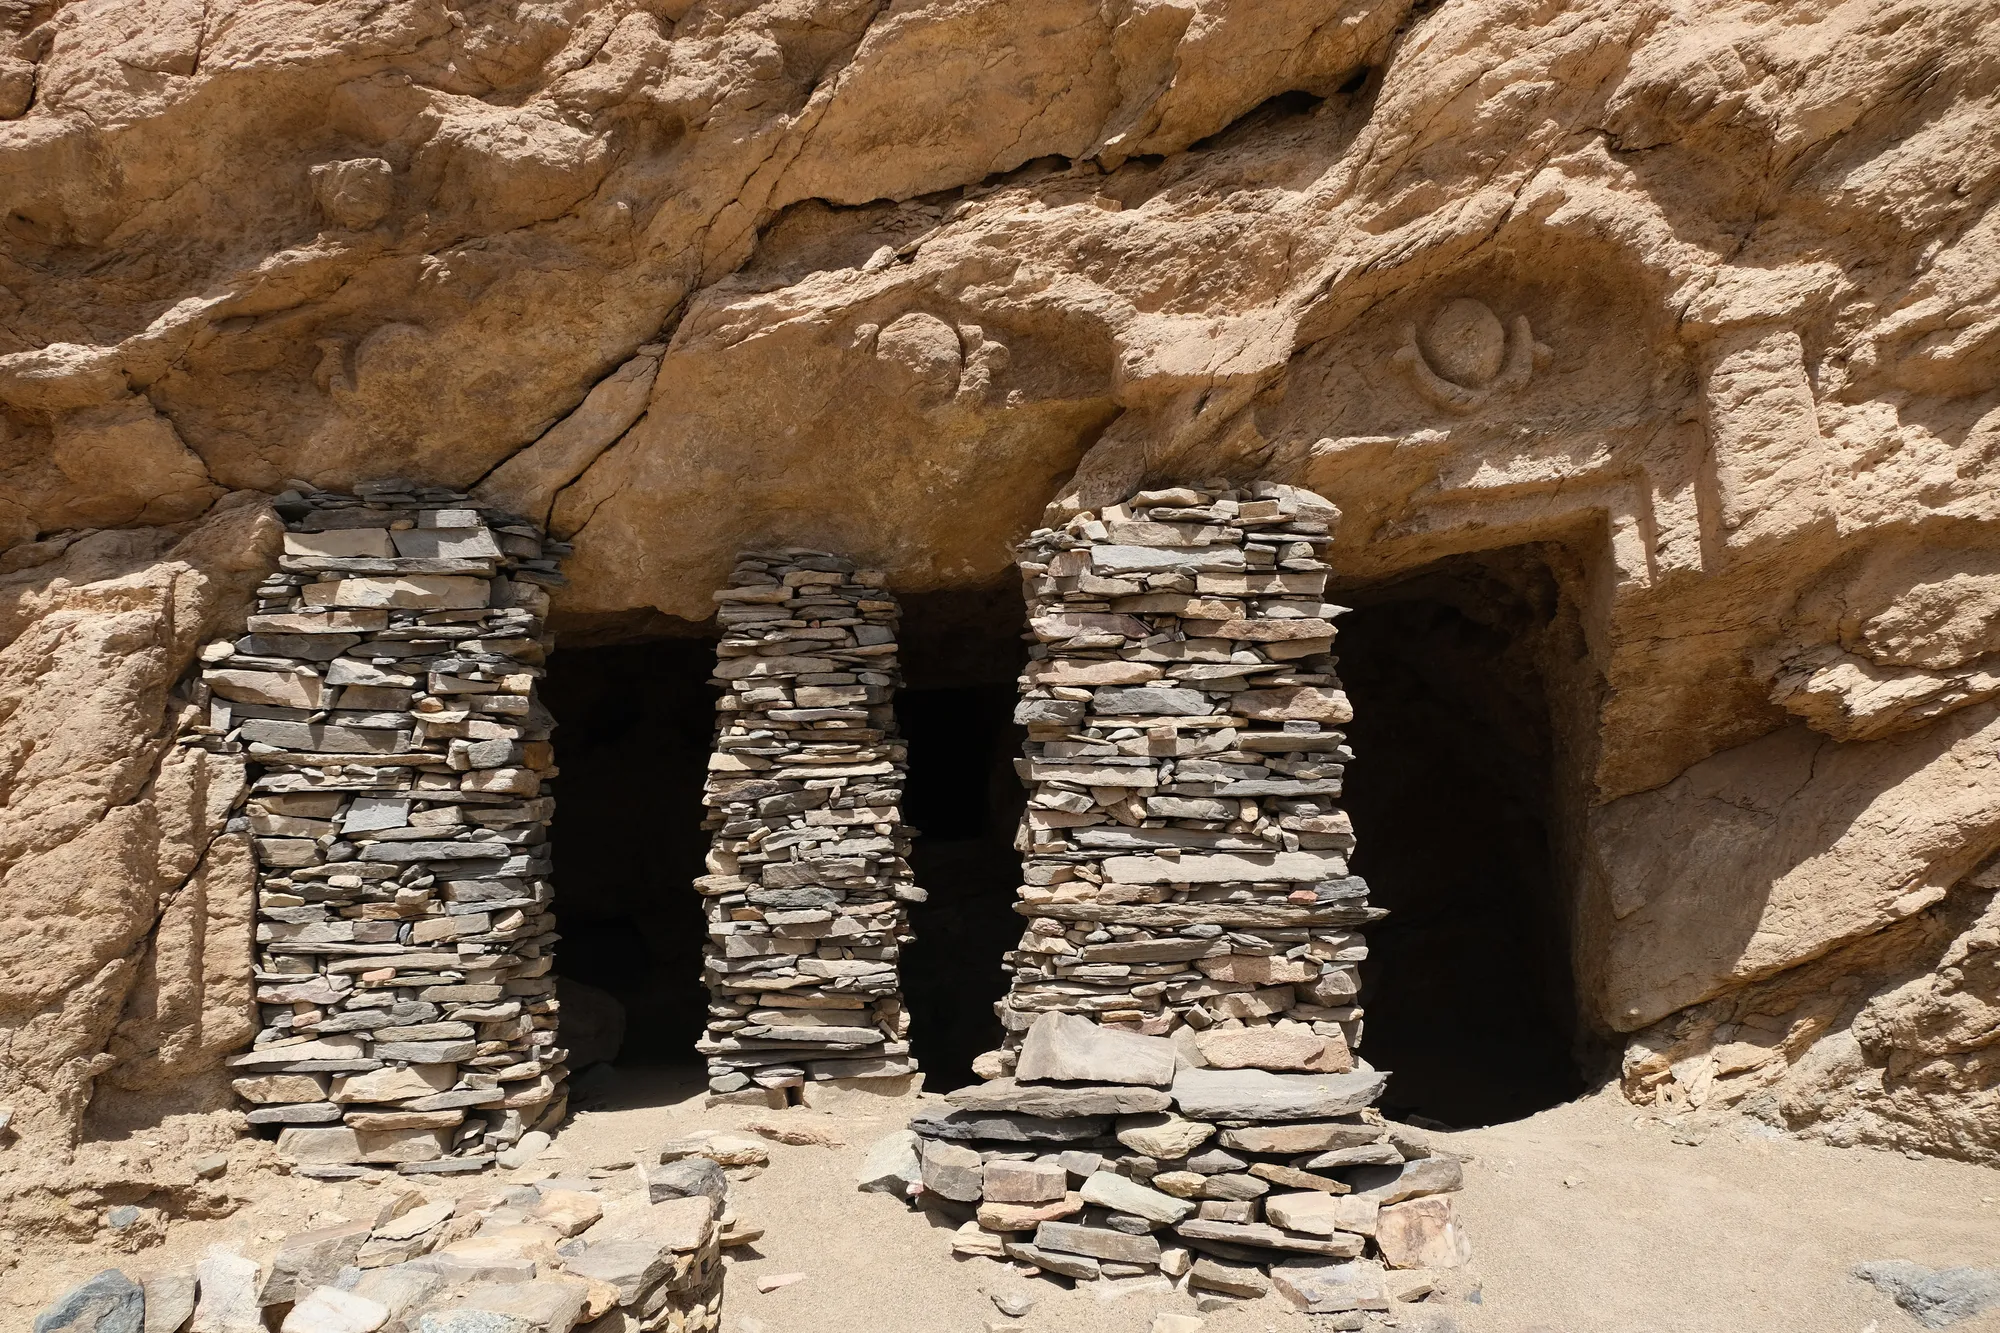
<point>1071,1048</point>
<point>1152,701</point>
<point>1256,1094</point>
<point>437,851</point>
<point>1009,1127</point>
<point>1319,1214</point>
<point>1393,1184</point>
<point>1172,916</point>
<point>1299,1138</point>
<point>1257,1235</point>
<point>893,1164</point>
<point>1063,1265</point>
<point>1097,1243</point>
<point>1331,1288</point>
<point>686,1178</point>
<point>952,1171</point>
<point>1057,1100</point>
<point>1123,1195</point>
<point>1140,840</point>
<point>1227,867</point>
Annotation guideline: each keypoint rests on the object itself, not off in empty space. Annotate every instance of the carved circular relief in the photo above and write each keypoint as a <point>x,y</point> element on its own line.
<point>1465,343</point>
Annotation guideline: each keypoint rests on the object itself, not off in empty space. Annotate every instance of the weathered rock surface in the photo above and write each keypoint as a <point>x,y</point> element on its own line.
<point>1695,307</point>
<point>108,1303</point>
<point>1935,1298</point>
<point>125,955</point>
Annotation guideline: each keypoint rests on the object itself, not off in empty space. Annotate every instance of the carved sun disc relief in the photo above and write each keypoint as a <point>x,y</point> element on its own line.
<point>1466,356</point>
<point>1466,344</point>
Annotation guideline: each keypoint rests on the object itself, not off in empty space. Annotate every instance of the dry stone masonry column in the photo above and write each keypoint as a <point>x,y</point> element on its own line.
<point>384,694</point>
<point>809,869</point>
<point>1179,1092</point>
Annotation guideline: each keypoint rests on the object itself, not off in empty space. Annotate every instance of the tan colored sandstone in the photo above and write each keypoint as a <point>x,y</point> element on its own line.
<point>1693,306</point>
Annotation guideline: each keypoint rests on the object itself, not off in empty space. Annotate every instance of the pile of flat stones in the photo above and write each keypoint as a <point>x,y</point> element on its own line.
<point>808,868</point>
<point>1178,1094</point>
<point>383,695</point>
<point>614,1252</point>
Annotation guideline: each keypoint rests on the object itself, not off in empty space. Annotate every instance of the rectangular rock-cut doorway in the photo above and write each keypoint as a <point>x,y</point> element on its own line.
<point>1468,990</point>
<point>634,726</point>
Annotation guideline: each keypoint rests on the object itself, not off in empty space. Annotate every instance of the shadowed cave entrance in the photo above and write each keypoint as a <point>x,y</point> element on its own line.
<point>635,722</point>
<point>961,653</point>
<point>1468,989</point>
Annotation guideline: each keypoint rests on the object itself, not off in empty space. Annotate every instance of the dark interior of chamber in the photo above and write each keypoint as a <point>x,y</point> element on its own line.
<point>635,723</point>
<point>1468,991</point>
<point>961,654</point>
<point>634,726</point>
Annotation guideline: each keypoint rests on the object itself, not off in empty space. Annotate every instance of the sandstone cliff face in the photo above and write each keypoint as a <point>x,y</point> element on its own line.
<point>1698,301</point>
<point>124,908</point>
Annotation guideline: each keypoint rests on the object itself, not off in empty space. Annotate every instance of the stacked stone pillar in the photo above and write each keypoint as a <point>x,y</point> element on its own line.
<point>809,868</point>
<point>384,696</point>
<point>1179,1092</point>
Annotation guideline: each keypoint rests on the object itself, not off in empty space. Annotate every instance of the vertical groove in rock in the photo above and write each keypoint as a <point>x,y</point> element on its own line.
<point>809,868</point>
<point>384,696</point>
<point>1182,1016</point>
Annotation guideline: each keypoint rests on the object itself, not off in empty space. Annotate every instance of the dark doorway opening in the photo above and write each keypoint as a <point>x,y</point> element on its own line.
<point>961,652</point>
<point>635,723</point>
<point>1468,991</point>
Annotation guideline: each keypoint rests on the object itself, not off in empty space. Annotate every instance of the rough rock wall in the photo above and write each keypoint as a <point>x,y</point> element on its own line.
<point>1699,300</point>
<point>125,914</point>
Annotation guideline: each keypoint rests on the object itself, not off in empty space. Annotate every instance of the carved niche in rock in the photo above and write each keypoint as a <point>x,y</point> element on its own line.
<point>1465,357</point>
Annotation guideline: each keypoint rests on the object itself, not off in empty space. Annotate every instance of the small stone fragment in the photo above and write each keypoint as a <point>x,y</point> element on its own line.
<point>1128,1196</point>
<point>1245,1280</point>
<point>952,1171</point>
<point>331,1310</point>
<point>107,1303</point>
<point>1061,1046</point>
<point>1023,1182</point>
<point>1422,1233</point>
<point>227,1302</point>
<point>1163,1135</point>
<point>1013,1304</point>
<point>892,1165</point>
<point>773,1281</point>
<point>169,1299</point>
<point>685,1178</point>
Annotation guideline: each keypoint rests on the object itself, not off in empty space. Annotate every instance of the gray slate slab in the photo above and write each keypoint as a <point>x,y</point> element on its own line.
<point>1255,1094</point>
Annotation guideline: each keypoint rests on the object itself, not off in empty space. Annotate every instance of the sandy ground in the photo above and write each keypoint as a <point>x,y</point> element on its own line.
<point>1590,1218</point>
